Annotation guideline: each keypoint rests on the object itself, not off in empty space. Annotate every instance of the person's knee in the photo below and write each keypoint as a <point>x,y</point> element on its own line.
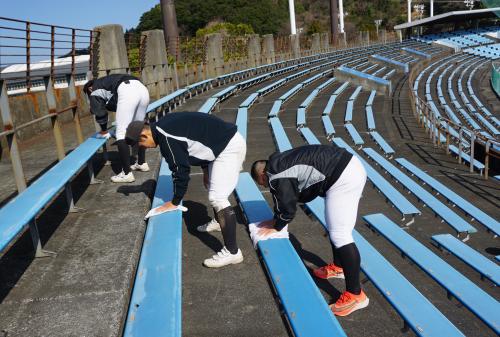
<point>341,238</point>
<point>218,204</point>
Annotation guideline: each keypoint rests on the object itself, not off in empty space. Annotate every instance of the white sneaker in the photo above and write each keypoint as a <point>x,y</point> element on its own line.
<point>223,258</point>
<point>144,167</point>
<point>123,178</point>
<point>211,226</point>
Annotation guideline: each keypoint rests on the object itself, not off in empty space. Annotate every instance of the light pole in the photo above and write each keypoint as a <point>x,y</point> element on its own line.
<point>293,27</point>
<point>377,24</point>
<point>469,4</point>
<point>432,8</point>
<point>334,21</point>
<point>170,30</point>
<point>409,10</point>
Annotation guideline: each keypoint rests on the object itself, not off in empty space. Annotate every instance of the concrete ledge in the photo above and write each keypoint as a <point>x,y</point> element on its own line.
<point>417,53</point>
<point>367,81</point>
<point>382,60</point>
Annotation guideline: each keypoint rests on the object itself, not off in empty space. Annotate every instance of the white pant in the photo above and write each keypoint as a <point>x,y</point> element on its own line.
<point>133,100</point>
<point>224,172</point>
<point>341,203</point>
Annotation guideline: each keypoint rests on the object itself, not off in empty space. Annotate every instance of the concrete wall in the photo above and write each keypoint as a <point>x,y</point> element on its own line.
<point>215,55</point>
<point>156,74</point>
<point>254,51</point>
<point>110,51</point>
<point>268,54</point>
<point>27,107</point>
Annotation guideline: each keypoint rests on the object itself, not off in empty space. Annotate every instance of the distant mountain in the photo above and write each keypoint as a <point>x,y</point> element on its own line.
<point>271,16</point>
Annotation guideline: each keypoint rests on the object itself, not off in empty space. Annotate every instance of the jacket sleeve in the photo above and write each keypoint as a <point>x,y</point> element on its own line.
<point>177,157</point>
<point>98,108</point>
<point>285,195</point>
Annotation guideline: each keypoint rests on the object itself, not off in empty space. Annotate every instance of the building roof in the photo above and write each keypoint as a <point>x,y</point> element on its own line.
<point>451,17</point>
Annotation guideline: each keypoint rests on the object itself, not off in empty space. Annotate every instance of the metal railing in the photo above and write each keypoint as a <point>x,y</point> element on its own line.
<point>434,126</point>
<point>35,53</point>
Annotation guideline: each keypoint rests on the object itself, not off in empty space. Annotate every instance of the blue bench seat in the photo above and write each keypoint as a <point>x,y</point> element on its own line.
<point>471,296</point>
<point>327,124</point>
<point>21,211</point>
<point>485,267</point>
<point>309,136</point>
<point>474,212</point>
<point>370,100</point>
<point>370,120</point>
<point>209,105</point>
<point>304,306</point>
<point>279,135</point>
<point>450,217</point>
<point>247,103</point>
<point>225,93</point>
<point>287,95</point>
<point>388,150</point>
<point>242,121</point>
<point>157,292</point>
<point>348,111</point>
<point>275,109</point>
<point>399,201</point>
<point>301,117</point>
<point>356,138</point>
<point>476,163</point>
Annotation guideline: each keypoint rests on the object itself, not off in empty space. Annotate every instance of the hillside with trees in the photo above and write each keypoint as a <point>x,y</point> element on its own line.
<point>271,16</point>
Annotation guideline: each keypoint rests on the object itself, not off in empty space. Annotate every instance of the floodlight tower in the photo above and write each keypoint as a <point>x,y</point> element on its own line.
<point>409,10</point>
<point>377,24</point>
<point>469,4</point>
<point>341,15</point>
<point>293,27</point>
<point>334,21</point>
<point>170,29</point>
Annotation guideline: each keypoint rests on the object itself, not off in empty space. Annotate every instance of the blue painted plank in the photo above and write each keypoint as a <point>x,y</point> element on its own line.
<point>156,302</point>
<point>305,104</point>
<point>249,101</point>
<point>355,94</point>
<point>476,163</point>
<point>450,217</point>
<point>176,94</point>
<point>348,111</point>
<point>453,197</point>
<point>275,109</point>
<point>18,212</point>
<point>329,105</point>
<point>223,94</point>
<point>287,95</point>
<point>209,105</point>
<point>301,117</point>
<point>370,120</point>
<point>388,150</point>
<point>420,314</point>
<point>473,258</point>
<point>309,136</point>
<point>304,306</point>
<point>356,138</point>
<point>371,98</point>
<point>327,124</point>
<point>393,195</point>
<point>241,121</point>
<point>279,135</point>
<point>473,297</point>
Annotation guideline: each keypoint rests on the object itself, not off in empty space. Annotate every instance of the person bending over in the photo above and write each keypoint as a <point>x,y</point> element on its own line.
<point>301,175</point>
<point>126,95</point>
<point>197,139</point>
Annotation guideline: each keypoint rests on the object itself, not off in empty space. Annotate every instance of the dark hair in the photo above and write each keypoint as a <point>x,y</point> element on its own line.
<point>87,86</point>
<point>256,168</point>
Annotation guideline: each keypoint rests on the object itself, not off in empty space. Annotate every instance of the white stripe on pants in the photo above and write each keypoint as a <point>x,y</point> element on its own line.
<point>341,203</point>
<point>224,172</point>
<point>133,100</point>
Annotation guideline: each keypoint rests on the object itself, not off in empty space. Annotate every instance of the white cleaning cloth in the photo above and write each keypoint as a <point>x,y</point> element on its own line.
<point>155,211</point>
<point>256,237</point>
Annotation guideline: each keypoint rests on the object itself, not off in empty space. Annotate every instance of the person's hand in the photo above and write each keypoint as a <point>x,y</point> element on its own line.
<point>168,206</point>
<point>104,134</point>
<point>266,228</point>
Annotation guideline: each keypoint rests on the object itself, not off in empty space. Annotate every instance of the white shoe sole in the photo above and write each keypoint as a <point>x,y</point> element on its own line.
<point>358,306</point>
<point>203,229</point>
<point>122,181</point>
<point>236,261</point>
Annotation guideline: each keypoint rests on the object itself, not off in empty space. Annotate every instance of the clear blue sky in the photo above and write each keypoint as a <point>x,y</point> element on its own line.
<point>84,14</point>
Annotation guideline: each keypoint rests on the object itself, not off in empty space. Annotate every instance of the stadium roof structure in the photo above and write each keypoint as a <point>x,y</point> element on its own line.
<point>452,17</point>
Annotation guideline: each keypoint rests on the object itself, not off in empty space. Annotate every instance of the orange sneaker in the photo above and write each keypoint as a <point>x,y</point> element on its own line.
<point>329,271</point>
<point>348,302</point>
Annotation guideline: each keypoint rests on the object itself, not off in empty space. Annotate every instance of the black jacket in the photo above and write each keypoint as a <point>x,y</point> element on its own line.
<point>302,174</point>
<point>190,138</point>
<point>104,95</point>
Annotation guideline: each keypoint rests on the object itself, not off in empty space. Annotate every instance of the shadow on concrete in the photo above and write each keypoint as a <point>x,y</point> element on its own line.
<point>21,253</point>
<point>197,215</point>
<point>146,188</point>
<point>312,258</point>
